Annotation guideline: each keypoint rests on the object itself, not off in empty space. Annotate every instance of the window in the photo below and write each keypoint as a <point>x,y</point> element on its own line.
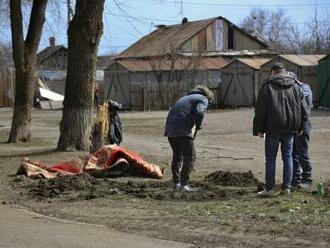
<point>230,37</point>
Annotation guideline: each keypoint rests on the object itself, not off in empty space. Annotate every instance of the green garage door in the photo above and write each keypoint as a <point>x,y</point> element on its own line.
<point>323,78</point>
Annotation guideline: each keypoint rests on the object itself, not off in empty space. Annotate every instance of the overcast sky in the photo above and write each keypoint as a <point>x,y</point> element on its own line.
<point>133,19</point>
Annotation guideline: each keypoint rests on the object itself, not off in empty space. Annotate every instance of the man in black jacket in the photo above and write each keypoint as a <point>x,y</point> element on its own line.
<point>280,113</point>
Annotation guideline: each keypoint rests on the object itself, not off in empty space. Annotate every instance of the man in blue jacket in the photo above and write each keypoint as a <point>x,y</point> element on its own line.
<point>302,167</point>
<point>183,121</point>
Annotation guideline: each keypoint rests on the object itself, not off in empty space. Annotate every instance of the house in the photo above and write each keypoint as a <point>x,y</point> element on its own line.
<point>208,44</point>
<point>156,84</point>
<point>239,82</point>
<point>304,66</point>
<point>214,34</point>
<point>53,57</point>
<point>52,66</point>
<point>104,61</point>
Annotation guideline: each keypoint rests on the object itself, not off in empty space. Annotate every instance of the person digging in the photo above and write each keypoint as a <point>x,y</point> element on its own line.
<point>183,121</point>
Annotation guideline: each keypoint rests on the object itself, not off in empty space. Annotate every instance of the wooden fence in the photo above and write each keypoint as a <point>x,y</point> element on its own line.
<point>7,80</point>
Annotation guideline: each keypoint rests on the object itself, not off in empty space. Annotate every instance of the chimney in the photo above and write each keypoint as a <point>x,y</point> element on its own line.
<point>160,26</point>
<point>184,20</point>
<point>51,41</point>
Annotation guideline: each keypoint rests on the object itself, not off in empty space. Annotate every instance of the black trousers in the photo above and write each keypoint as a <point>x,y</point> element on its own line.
<point>184,156</point>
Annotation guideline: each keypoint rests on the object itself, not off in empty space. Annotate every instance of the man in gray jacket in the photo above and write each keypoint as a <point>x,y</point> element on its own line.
<point>183,121</point>
<point>302,166</point>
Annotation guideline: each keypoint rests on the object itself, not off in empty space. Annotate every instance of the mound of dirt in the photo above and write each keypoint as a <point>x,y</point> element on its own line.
<point>226,178</point>
<point>85,186</point>
<point>53,187</point>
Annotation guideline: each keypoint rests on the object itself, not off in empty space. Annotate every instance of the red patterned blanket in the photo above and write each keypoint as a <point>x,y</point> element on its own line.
<point>110,159</point>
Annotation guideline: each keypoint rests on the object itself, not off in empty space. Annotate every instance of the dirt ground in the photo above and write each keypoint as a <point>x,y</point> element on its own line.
<point>224,213</point>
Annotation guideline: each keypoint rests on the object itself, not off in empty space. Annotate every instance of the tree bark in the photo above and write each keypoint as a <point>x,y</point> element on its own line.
<point>24,55</point>
<point>84,33</point>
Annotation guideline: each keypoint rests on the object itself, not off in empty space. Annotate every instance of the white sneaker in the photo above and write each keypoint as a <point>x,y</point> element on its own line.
<point>177,187</point>
<point>265,193</point>
<point>305,187</point>
<point>286,192</point>
<point>188,188</point>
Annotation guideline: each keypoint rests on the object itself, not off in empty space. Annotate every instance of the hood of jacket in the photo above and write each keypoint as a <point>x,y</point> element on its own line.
<point>281,79</point>
<point>196,91</point>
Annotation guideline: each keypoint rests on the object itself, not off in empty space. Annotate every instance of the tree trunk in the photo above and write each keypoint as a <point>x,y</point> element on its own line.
<point>84,34</point>
<point>24,55</point>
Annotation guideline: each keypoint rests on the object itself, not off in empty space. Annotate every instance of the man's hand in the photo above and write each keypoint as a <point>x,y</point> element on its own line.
<point>300,133</point>
<point>261,135</point>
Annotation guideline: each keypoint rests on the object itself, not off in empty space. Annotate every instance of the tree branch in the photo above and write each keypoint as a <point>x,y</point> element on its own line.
<point>16,20</point>
<point>37,20</point>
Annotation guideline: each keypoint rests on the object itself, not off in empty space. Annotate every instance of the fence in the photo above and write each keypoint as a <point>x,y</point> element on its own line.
<point>7,80</point>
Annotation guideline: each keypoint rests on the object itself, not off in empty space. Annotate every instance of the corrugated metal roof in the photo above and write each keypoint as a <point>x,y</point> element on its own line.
<point>166,65</point>
<point>254,63</point>
<point>303,60</point>
<point>104,61</point>
<point>162,40</point>
<point>165,38</point>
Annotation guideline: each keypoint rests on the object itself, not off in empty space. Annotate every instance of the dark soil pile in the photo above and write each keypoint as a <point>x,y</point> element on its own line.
<point>85,186</point>
<point>226,178</point>
<point>53,187</point>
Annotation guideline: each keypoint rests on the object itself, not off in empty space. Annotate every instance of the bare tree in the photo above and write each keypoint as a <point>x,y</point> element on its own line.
<point>24,55</point>
<point>256,20</point>
<point>84,33</point>
<point>313,37</point>
<point>173,70</point>
<point>278,29</point>
<point>270,24</point>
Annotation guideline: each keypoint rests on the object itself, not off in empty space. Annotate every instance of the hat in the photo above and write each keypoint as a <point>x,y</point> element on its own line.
<point>277,66</point>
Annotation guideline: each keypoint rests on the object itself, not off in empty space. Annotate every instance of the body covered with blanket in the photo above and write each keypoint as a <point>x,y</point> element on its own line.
<point>110,160</point>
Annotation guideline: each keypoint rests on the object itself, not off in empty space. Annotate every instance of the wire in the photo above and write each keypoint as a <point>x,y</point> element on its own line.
<point>143,18</point>
<point>202,4</point>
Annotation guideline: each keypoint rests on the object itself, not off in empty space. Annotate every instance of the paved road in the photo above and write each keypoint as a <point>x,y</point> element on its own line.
<point>20,229</point>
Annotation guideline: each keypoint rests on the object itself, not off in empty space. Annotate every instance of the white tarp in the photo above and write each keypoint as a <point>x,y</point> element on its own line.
<point>50,95</point>
<point>48,75</point>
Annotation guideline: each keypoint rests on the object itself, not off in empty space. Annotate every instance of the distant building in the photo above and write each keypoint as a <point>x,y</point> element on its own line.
<point>53,57</point>
<point>152,73</point>
<point>215,34</point>
<point>52,65</point>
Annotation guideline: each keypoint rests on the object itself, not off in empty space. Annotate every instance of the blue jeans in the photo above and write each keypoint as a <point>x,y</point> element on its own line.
<point>271,147</point>
<point>302,167</point>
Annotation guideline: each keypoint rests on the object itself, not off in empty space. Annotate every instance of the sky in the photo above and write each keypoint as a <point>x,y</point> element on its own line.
<point>126,21</point>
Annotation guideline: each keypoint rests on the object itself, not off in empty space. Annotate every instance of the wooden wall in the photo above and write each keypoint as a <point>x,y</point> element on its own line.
<point>7,81</point>
<point>57,60</point>
<point>215,37</point>
<point>238,82</point>
<point>306,74</point>
<point>140,90</point>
